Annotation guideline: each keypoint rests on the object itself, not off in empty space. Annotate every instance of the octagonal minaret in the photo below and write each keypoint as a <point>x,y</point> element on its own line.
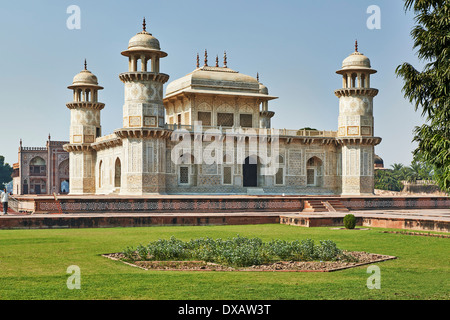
<point>84,129</point>
<point>356,124</point>
<point>143,88</point>
<point>143,132</point>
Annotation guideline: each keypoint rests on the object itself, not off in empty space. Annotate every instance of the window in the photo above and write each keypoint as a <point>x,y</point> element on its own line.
<point>225,119</point>
<point>184,175</point>
<point>117,173</point>
<point>279,177</point>
<point>37,167</point>
<point>226,175</point>
<point>310,177</point>
<point>205,118</point>
<point>246,120</point>
<point>314,172</point>
<point>100,174</point>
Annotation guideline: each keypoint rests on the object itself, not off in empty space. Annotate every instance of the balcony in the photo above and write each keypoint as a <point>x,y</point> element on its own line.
<point>37,171</point>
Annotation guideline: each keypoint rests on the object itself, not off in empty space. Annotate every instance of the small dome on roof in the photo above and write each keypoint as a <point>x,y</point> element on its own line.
<point>263,89</point>
<point>377,160</point>
<point>356,59</point>
<point>85,77</point>
<point>143,40</point>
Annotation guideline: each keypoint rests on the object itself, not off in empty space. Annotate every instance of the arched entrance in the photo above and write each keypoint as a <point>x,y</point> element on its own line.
<point>314,172</point>
<point>63,173</point>
<point>64,186</point>
<point>100,174</point>
<point>250,171</point>
<point>117,173</point>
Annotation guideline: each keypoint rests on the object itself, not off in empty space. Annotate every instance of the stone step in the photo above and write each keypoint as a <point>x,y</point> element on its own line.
<point>314,206</point>
<point>337,206</point>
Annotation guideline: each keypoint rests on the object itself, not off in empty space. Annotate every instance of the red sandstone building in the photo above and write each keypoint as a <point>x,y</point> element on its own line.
<point>41,170</point>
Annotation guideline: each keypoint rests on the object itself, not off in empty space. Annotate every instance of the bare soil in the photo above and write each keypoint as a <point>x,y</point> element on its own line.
<point>361,258</point>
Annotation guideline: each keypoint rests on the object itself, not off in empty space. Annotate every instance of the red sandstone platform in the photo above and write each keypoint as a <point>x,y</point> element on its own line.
<point>412,219</point>
<point>416,213</point>
<point>424,220</point>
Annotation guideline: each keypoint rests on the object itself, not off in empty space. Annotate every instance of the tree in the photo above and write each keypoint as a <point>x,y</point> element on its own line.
<point>429,90</point>
<point>387,180</point>
<point>5,172</point>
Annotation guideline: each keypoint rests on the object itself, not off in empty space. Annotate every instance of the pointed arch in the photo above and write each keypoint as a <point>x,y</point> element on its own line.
<point>117,173</point>
<point>100,174</point>
<point>314,168</point>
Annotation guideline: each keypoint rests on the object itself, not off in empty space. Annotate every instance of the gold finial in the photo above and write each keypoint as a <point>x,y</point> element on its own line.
<point>217,60</point>
<point>143,25</point>
<point>85,64</point>
<point>225,59</point>
<point>198,61</point>
<point>206,58</point>
<point>356,45</point>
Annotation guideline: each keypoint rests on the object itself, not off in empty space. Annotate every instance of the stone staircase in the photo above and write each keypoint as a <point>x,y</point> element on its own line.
<point>337,205</point>
<point>318,205</point>
<point>314,206</point>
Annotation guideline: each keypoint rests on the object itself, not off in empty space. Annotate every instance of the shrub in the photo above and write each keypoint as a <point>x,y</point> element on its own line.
<point>238,251</point>
<point>142,252</point>
<point>327,250</point>
<point>307,249</point>
<point>172,249</point>
<point>349,221</point>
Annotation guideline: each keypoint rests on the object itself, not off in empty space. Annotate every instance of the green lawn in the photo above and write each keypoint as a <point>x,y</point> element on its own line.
<point>33,265</point>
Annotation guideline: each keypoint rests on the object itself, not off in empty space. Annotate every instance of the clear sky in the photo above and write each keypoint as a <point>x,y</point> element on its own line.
<point>295,45</point>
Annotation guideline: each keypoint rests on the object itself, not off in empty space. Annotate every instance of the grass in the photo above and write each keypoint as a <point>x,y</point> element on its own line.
<point>33,265</point>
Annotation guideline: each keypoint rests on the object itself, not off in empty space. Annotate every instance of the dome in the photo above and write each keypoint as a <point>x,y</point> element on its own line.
<point>356,59</point>
<point>263,89</point>
<point>85,77</point>
<point>378,161</point>
<point>143,40</point>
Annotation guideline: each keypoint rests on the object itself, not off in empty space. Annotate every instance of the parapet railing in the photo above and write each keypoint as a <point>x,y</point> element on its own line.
<point>13,203</point>
<point>258,131</point>
<point>34,148</point>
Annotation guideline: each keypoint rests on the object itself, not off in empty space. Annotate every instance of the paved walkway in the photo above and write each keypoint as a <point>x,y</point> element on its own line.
<point>428,214</point>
